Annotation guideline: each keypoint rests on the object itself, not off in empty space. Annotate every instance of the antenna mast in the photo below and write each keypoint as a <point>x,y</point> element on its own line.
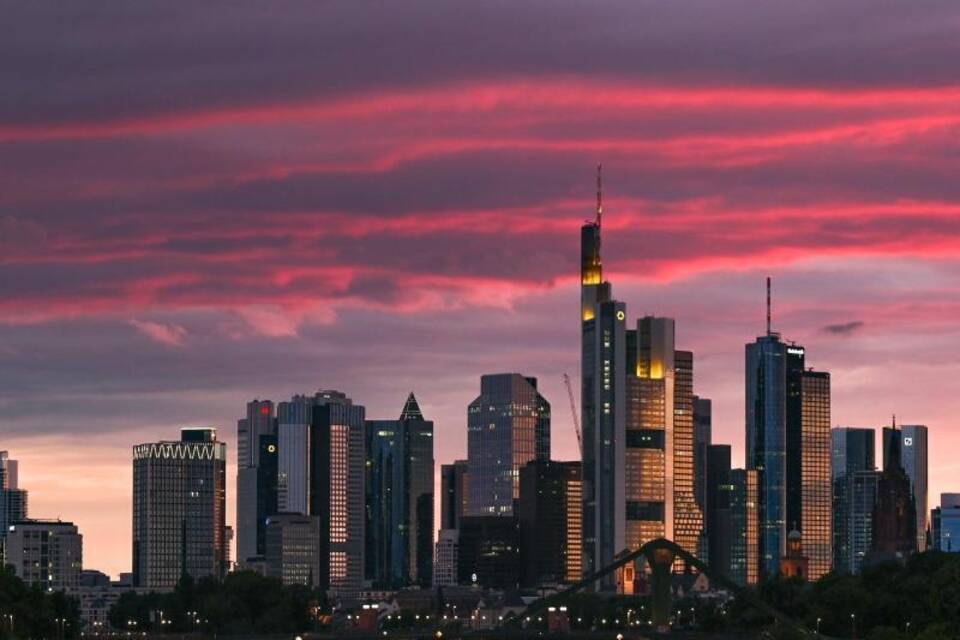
<point>768,305</point>
<point>599,193</point>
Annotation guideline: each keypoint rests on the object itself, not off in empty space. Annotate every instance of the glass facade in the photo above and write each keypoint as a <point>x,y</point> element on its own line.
<point>816,521</point>
<point>179,505</point>
<point>687,516</point>
<point>251,520</point>
<point>745,559</point>
<point>766,443</point>
<point>454,492</point>
<point>913,459</point>
<point>945,524</point>
<point>551,532</point>
<point>508,425</point>
<point>852,452</point>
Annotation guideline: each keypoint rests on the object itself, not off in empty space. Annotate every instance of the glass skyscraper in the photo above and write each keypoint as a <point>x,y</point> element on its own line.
<point>816,510</point>
<point>945,524</point>
<point>854,493</point>
<point>399,487</point>
<point>251,501</point>
<point>508,425</point>
<point>179,510</point>
<point>745,560</point>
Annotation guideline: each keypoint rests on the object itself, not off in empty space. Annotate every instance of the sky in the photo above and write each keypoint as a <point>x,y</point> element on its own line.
<point>205,204</point>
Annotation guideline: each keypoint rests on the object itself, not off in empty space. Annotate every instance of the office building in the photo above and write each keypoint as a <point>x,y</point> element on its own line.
<point>895,511</point>
<point>717,522</point>
<point>259,422</point>
<point>445,564</point>
<point>788,442</point>
<point>854,493</point>
<point>687,516</point>
<point>179,505</point>
<point>945,524</point>
<point>913,459</point>
<point>745,559</point>
<point>454,493</point>
<point>294,418</point>
<point>702,439</point>
<point>13,499</point>
<point>292,552</point>
<point>488,553</point>
<point>399,488</point>
<point>816,510</point>
<point>551,522</point>
<point>336,491</point>
<point>508,425</point>
<point>46,553</point>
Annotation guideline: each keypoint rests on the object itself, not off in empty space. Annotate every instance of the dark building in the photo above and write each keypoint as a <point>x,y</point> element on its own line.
<point>945,524</point>
<point>488,554</point>
<point>13,499</point>
<point>179,510</point>
<point>251,519</point>
<point>336,496</point>
<point>717,507</point>
<point>399,488</point>
<point>702,439</point>
<point>913,459</point>
<point>508,425</point>
<point>895,511</point>
<point>854,493</point>
<point>551,522</point>
<point>454,493</point>
<point>292,549</point>
<point>266,487</point>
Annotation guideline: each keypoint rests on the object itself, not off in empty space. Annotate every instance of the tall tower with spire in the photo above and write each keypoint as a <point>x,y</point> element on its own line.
<point>399,499</point>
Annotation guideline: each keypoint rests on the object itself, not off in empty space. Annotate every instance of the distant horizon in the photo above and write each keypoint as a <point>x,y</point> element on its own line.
<point>202,207</point>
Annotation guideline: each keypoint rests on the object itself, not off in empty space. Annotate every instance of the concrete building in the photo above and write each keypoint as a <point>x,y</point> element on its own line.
<point>13,499</point>
<point>445,566</point>
<point>179,505</point>
<point>292,551</point>
<point>46,553</point>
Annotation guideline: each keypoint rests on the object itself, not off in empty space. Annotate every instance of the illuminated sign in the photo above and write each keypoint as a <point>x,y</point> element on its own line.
<point>620,315</point>
<point>271,448</point>
<point>795,351</point>
<point>265,410</point>
<point>908,442</point>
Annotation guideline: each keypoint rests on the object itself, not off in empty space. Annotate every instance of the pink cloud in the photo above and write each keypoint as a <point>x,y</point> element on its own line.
<point>169,334</point>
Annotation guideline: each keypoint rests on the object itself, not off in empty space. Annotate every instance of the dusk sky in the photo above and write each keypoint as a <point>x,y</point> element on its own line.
<point>201,204</point>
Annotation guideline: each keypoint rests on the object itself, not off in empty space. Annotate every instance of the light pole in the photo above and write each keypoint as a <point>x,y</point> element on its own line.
<point>818,625</point>
<point>853,625</point>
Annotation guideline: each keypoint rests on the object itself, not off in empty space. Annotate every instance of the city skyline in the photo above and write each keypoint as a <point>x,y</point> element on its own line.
<point>383,227</point>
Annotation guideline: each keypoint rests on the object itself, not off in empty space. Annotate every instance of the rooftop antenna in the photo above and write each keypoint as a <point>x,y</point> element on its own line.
<point>894,422</point>
<point>768,305</point>
<point>599,193</point>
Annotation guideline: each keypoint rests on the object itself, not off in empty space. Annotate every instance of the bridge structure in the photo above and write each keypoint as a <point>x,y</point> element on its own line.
<point>660,555</point>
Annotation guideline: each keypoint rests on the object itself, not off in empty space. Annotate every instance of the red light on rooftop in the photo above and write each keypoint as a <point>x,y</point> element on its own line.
<point>264,410</point>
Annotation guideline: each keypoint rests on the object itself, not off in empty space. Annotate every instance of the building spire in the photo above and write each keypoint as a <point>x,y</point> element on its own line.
<point>768,305</point>
<point>599,193</point>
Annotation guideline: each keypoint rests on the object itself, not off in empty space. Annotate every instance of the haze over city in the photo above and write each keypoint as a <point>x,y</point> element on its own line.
<point>201,205</point>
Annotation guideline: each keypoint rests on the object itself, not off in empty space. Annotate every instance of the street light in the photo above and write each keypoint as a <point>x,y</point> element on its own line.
<point>853,626</point>
<point>818,625</point>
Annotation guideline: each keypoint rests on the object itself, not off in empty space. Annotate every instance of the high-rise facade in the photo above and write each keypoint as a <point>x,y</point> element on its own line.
<point>717,515</point>
<point>913,459</point>
<point>13,499</point>
<point>551,522</point>
<point>46,553</point>
<point>399,487</point>
<point>292,552</point>
<point>337,463</point>
<point>895,510</point>
<point>488,552</point>
<point>854,493</point>
<point>508,425</point>
<point>179,510</point>
<point>816,486</point>
<point>639,440</point>
<point>294,418</point>
<point>745,548</point>
<point>945,524</point>
<point>445,564</point>
<point>454,493</point>
<point>766,446</point>
<point>258,423</point>
<point>702,439</point>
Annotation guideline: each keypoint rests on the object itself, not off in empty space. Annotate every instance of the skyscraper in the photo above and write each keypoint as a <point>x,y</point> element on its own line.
<point>816,514</point>
<point>745,558</point>
<point>454,493</point>
<point>551,522</point>
<point>895,510</point>
<point>336,491</point>
<point>179,505</point>
<point>399,489</point>
<point>945,524</point>
<point>251,498</point>
<point>854,493</point>
<point>508,425</point>
<point>702,439</point>
<point>913,459</point>
<point>488,552</point>
<point>294,418</point>
<point>687,516</point>
<point>717,521</point>
<point>293,548</point>
<point>788,443</point>
<point>13,499</point>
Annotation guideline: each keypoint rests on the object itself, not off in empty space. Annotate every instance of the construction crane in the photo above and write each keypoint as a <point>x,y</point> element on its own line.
<point>573,412</point>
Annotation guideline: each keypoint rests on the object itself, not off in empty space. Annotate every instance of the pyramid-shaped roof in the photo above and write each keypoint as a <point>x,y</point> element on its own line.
<point>411,410</point>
